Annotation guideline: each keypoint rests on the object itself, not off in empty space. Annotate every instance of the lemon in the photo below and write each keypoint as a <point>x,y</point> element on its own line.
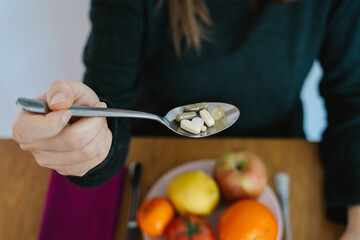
<point>193,192</point>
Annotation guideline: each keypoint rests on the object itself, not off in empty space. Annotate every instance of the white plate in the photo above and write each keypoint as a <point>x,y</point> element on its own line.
<point>268,197</point>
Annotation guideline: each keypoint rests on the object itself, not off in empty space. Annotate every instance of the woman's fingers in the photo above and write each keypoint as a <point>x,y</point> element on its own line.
<point>77,163</point>
<point>80,169</point>
<point>63,93</point>
<point>30,127</point>
<point>72,137</point>
<point>87,152</point>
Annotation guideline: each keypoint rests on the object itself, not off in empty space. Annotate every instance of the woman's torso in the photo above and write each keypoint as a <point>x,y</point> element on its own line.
<point>257,60</point>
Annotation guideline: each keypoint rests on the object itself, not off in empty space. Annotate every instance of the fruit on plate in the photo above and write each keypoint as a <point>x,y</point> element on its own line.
<point>240,174</point>
<point>193,192</point>
<point>154,215</point>
<point>189,227</point>
<point>247,219</point>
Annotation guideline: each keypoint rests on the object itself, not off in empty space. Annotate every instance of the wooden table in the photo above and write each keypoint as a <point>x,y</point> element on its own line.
<point>23,184</point>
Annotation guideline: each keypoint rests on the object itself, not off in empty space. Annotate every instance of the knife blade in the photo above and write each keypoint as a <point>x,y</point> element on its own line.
<point>135,171</point>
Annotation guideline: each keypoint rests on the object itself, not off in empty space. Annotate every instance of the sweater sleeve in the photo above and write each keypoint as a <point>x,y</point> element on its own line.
<point>113,60</point>
<point>340,87</point>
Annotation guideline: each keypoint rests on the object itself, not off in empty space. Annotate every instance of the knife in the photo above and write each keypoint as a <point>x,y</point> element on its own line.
<point>135,170</point>
<point>282,182</point>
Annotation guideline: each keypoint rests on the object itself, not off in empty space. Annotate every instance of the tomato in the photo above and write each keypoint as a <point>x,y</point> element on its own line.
<point>189,227</point>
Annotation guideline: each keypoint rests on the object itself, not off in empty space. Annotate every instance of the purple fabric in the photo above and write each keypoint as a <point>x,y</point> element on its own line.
<point>75,213</point>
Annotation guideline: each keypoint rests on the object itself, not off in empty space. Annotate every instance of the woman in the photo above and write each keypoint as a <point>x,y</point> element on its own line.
<point>155,55</point>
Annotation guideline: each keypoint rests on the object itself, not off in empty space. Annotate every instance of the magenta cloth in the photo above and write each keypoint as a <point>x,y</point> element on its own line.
<point>75,213</point>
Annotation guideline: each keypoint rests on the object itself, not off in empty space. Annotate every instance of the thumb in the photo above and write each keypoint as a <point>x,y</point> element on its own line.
<point>62,94</point>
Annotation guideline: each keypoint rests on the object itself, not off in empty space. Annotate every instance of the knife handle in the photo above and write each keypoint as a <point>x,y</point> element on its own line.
<point>135,178</point>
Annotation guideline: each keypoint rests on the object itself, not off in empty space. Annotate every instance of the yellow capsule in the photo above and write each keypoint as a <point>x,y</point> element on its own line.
<point>218,113</point>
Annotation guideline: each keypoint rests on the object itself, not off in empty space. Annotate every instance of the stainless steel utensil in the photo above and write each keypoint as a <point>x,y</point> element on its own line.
<point>135,171</point>
<point>282,183</point>
<point>232,113</point>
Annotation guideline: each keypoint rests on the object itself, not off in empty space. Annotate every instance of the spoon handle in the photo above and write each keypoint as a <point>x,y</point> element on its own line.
<point>38,106</point>
<point>282,182</point>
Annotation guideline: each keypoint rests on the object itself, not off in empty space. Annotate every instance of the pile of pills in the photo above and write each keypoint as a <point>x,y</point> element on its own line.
<point>196,125</point>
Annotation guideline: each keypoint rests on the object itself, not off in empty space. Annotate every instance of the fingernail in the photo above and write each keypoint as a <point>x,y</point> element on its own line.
<point>57,98</point>
<point>66,116</point>
<point>103,105</point>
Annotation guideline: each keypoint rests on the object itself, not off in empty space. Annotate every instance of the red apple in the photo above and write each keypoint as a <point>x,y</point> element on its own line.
<point>240,174</point>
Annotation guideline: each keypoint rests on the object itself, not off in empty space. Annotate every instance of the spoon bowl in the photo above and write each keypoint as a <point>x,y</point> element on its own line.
<point>232,113</point>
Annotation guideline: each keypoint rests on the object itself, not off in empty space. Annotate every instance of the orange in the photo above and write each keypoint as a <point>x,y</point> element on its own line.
<point>247,220</point>
<point>154,215</point>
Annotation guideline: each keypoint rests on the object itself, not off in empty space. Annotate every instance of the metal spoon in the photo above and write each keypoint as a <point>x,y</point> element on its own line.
<point>282,182</point>
<point>232,113</point>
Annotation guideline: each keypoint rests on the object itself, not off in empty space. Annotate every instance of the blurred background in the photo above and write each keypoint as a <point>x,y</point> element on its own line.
<point>43,40</point>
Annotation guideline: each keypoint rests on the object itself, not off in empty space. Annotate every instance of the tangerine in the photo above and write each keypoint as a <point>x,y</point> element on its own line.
<point>154,215</point>
<point>247,219</point>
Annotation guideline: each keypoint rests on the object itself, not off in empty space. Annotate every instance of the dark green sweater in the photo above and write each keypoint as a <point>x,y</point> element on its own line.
<point>258,60</point>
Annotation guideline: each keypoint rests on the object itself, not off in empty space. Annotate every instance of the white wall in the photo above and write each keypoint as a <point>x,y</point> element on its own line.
<point>43,40</point>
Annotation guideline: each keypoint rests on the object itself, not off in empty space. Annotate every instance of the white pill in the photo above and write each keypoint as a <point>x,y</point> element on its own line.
<point>203,128</point>
<point>189,126</point>
<point>198,120</point>
<point>208,119</point>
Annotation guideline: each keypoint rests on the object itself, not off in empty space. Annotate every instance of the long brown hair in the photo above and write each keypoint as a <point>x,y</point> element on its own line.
<point>188,20</point>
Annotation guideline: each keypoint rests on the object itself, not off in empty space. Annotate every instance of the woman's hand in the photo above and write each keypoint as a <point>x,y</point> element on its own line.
<point>70,149</point>
<point>352,231</point>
